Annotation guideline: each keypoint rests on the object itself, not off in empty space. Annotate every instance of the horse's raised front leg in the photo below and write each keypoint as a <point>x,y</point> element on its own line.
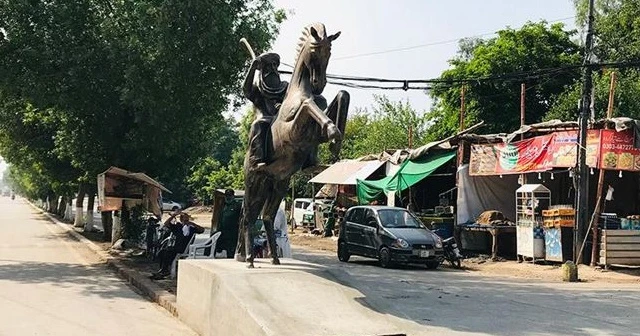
<point>338,111</point>
<point>329,130</point>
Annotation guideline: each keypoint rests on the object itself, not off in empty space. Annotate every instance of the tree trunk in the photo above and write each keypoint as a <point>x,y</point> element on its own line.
<point>82,190</point>
<point>90,205</point>
<point>53,204</point>
<point>117,228</point>
<point>62,206</point>
<point>68,212</point>
<point>107,224</point>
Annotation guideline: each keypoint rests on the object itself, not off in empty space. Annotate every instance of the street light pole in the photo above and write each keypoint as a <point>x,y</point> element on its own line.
<point>582,205</point>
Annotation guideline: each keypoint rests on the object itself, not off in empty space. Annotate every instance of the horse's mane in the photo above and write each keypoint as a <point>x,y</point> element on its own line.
<point>306,37</point>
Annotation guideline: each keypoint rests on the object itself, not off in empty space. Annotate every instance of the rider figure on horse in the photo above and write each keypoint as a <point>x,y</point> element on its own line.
<point>266,95</point>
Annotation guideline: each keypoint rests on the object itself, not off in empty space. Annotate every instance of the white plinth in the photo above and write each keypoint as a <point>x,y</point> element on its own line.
<point>223,297</point>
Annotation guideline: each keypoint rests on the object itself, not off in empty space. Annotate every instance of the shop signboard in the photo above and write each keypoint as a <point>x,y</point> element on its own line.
<point>618,151</point>
<point>556,150</point>
<point>528,155</point>
<point>563,151</point>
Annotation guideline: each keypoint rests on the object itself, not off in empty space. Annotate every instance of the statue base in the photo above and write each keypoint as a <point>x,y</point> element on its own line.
<point>223,297</point>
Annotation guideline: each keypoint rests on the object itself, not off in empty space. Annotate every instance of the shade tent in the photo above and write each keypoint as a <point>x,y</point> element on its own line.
<point>410,173</point>
<point>347,172</point>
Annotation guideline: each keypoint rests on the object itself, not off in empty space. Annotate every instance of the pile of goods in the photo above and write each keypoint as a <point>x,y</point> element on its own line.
<point>630,223</point>
<point>559,216</point>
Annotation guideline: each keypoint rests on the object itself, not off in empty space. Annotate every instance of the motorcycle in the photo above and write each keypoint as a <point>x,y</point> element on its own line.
<point>452,252</point>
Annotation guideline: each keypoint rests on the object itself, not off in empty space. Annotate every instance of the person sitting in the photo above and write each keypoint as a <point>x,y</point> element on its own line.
<point>182,231</point>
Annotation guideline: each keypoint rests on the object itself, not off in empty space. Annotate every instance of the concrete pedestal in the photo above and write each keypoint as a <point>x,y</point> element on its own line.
<point>223,297</point>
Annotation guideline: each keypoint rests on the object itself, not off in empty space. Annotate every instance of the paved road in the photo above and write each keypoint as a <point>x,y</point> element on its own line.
<point>465,303</point>
<point>53,285</point>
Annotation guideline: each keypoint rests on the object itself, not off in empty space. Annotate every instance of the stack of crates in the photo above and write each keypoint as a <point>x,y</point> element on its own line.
<point>559,216</point>
<point>558,222</point>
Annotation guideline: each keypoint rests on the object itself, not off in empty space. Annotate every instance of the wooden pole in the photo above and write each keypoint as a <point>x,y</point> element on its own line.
<point>462,112</point>
<point>523,177</point>
<point>410,136</point>
<point>598,210</point>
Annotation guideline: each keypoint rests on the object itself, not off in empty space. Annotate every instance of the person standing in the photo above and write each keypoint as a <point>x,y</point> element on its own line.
<point>228,224</point>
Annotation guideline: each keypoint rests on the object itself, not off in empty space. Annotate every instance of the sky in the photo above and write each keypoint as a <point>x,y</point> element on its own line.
<point>373,26</point>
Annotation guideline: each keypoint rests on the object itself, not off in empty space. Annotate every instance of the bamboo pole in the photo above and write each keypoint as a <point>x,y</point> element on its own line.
<point>597,210</point>
<point>462,116</point>
<point>523,177</point>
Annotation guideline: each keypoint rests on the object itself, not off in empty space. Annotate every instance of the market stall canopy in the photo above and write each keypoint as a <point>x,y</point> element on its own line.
<point>410,173</point>
<point>116,185</point>
<point>347,172</point>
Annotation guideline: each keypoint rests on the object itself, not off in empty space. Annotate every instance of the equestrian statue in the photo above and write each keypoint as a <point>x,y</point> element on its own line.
<point>291,121</point>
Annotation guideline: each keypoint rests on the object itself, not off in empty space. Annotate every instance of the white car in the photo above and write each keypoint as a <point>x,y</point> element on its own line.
<point>302,209</point>
<point>170,205</point>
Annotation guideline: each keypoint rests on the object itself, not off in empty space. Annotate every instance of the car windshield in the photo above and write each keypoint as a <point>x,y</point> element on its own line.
<point>398,218</point>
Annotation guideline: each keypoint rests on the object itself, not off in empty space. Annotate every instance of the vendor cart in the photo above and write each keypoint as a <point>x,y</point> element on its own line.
<point>531,199</point>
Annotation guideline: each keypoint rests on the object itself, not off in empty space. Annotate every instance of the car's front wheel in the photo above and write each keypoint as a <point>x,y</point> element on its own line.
<point>433,264</point>
<point>385,257</point>
<point>343,252</point>
<point>175,208</point>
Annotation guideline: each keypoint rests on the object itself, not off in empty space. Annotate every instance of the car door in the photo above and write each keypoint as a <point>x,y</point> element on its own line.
<point>353,230</point>
<point>369,233</point>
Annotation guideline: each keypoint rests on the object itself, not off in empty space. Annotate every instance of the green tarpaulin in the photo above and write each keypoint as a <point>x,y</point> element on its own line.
<point>410,173</point>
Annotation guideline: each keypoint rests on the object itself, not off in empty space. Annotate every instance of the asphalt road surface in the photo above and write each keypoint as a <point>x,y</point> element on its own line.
<point>53,285</point>
<point>465,303</point>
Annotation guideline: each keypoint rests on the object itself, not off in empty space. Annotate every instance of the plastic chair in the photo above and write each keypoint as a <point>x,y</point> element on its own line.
<point>210,243</point>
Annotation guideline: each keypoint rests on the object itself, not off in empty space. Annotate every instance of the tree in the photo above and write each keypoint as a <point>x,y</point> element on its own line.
<point>617,27</point>
<point>386,128</point>
<point>140,85</point>
<point>533,47</point>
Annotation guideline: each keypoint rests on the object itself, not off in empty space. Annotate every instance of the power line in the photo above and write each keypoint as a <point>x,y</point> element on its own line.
<point>405,84</point>
<point>430,44</point>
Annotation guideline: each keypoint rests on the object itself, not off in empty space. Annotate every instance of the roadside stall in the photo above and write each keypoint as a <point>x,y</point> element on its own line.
<point>118,188</point>
<point>546,155</point>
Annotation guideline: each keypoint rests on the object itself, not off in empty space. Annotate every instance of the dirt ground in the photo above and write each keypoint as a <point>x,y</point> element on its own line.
<point>481,265</point>
<point>503,269</point>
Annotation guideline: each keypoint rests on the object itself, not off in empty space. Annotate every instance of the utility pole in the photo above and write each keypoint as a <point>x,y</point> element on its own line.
<point>582,200</point>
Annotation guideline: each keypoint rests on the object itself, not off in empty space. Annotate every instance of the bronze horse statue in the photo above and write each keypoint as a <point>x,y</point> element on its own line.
<point>304,121</point>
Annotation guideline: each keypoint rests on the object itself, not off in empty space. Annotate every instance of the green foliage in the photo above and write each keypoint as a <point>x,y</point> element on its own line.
<point>532,47</point>
<point>140,85</point>
<point>617,27</point>
<point>210,173</point>
<point>386,128</point>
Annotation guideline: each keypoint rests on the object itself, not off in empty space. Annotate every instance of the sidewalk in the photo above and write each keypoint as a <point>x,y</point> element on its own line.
<point>52,284</point>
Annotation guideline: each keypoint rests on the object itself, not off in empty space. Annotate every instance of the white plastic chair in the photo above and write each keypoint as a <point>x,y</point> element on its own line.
<point>184,254</point>
<point>211,242</point>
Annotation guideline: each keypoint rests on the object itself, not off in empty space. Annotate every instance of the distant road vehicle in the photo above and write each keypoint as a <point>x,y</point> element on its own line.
<point>302,210</point>
<point>391,235</point>
<point>168,205</point>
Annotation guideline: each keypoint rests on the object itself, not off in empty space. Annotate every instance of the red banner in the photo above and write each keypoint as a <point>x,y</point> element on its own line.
<point>564,151</point>
<point>523,156</point>
<point>618,151</point>
<point>556,150</point>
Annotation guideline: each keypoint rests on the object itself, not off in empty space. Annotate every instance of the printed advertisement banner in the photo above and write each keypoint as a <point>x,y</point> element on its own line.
<point>618,151</point>
<point>523,156</point>
<point>556,150</point>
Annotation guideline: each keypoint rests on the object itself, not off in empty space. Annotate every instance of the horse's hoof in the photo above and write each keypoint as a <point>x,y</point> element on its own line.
<point>275,261</point>
<point>240,258</point>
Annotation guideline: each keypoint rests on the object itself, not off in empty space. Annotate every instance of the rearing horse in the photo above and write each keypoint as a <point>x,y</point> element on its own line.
<point>304,121</point>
